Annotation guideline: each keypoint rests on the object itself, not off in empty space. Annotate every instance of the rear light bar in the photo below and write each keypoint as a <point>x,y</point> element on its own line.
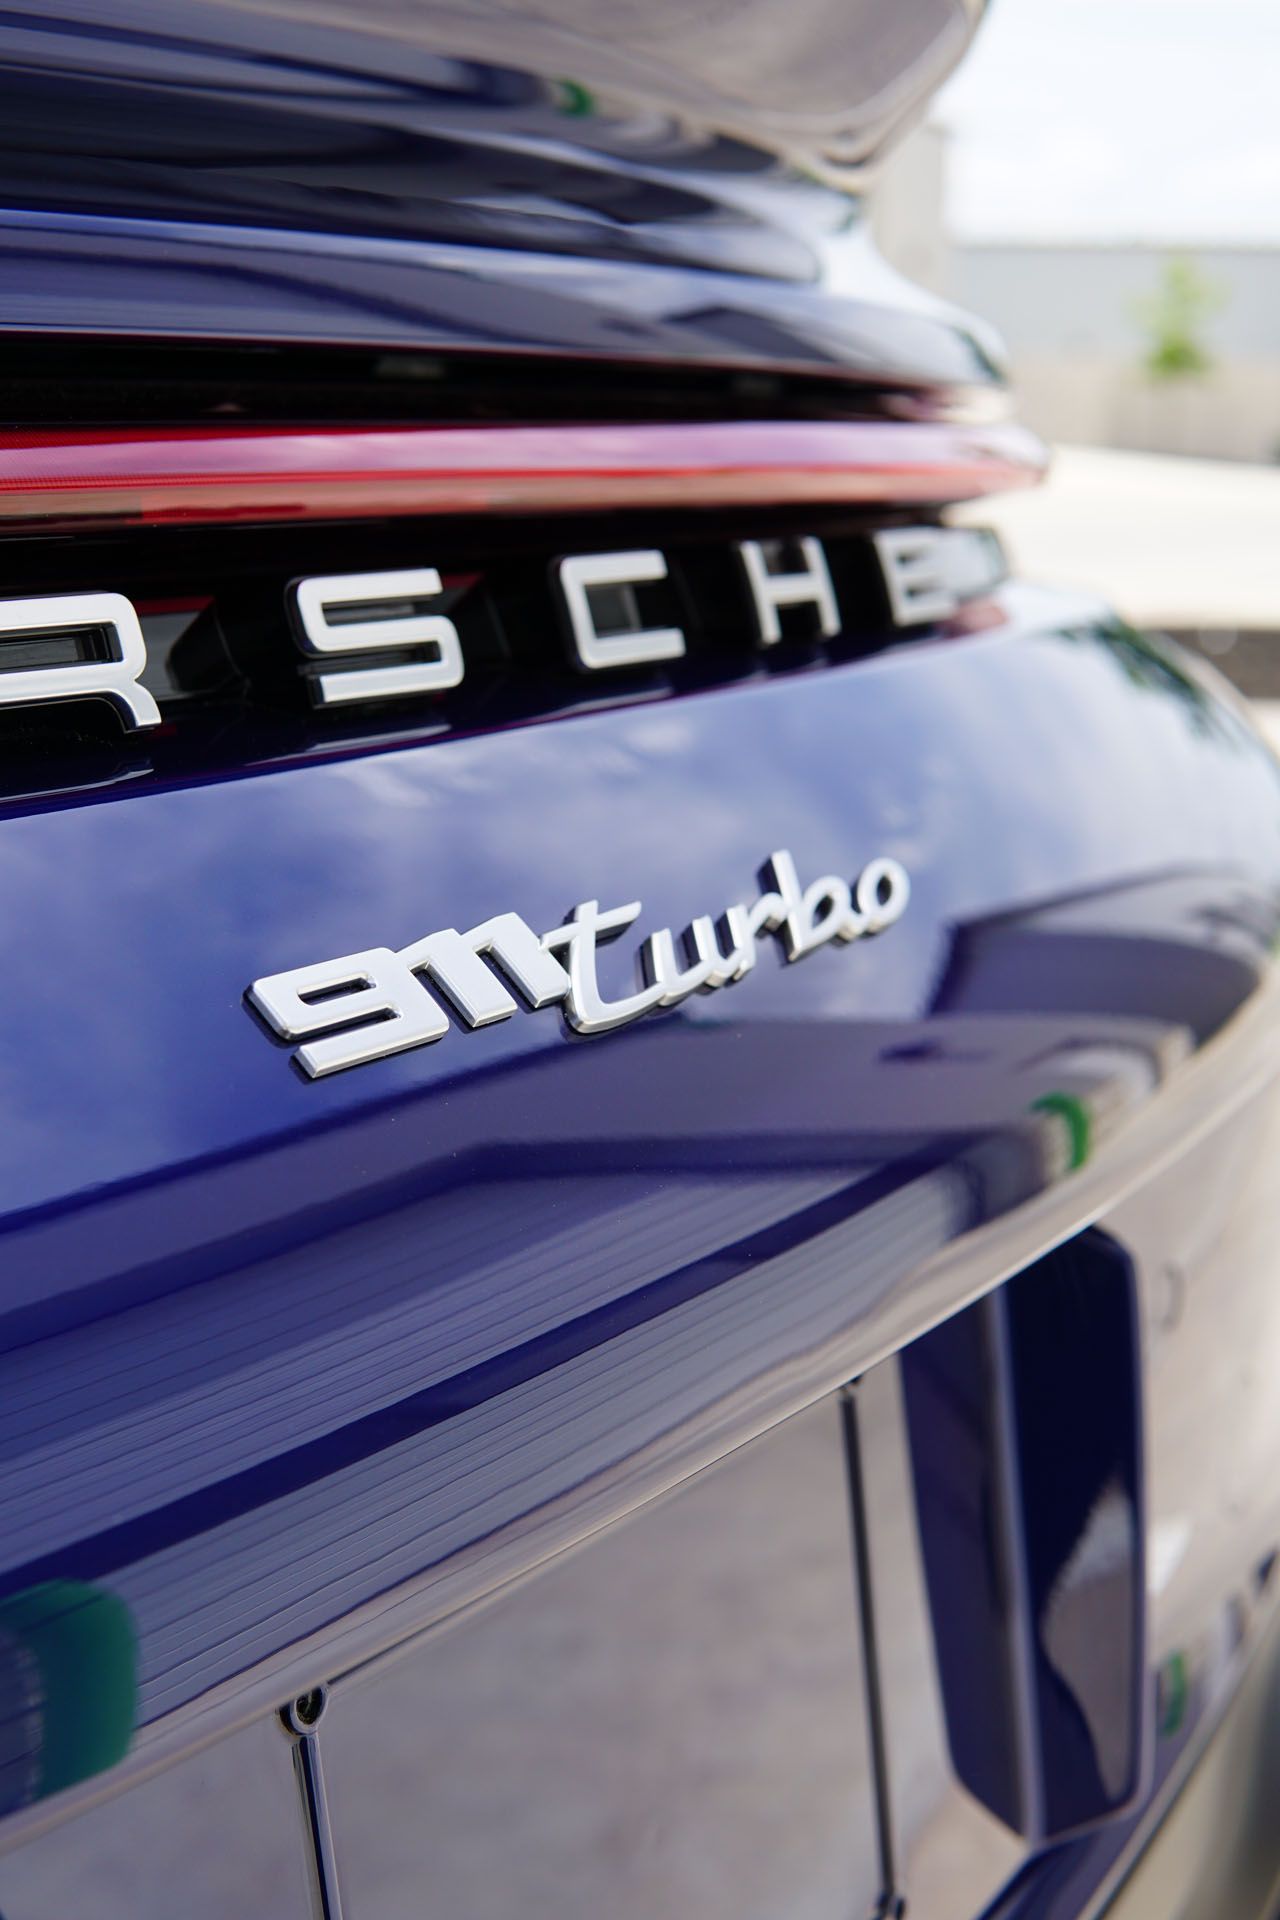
<point>218,475</point>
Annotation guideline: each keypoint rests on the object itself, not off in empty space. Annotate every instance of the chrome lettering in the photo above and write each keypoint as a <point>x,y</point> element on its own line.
<point>384,991</point>
<point>115,679</point>
<point>387,603</point>
<point>587,1010</point>
<point>810,585</point>
<point>632,645</point>
<point>455,961</point>
<point>375,986</point>
<point>931,571</point>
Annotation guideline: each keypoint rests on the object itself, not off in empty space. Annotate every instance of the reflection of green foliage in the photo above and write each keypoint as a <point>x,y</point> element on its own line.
<point>1173,319</point>
<point>1171,1695</point>
<point>1075,1116</point>
<point>575,99</point>
<point>1154,666</point>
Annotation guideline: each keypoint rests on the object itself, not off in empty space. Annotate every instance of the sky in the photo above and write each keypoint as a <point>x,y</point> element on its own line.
<point>1118,120</point>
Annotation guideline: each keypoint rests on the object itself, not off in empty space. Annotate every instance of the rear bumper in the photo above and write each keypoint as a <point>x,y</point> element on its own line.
<point>1214,1849</point>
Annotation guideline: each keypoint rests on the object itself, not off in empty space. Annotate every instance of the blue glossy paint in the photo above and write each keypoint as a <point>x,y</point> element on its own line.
<point>130,978</point>
<point>1030,1497</point>
<point>250,1341</point>
<point>322,96</point>
<point>181,280</point>
<point>374,177</point>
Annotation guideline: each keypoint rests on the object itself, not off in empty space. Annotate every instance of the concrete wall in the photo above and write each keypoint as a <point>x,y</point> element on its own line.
<point>1232,413</point>
<point>1067,314</point>
<point>907,209</point>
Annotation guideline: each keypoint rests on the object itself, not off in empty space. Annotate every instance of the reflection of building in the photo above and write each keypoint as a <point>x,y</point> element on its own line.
<point>1068,315</point>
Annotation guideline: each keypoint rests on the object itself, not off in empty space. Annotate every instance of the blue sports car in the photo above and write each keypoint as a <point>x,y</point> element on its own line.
<point>638,1197</point>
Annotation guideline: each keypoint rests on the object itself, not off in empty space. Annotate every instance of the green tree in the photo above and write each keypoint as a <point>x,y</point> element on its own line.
<point>1173,320</point>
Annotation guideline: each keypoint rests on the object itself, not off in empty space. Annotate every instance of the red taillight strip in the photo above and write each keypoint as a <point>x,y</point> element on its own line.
<point>242,474</point>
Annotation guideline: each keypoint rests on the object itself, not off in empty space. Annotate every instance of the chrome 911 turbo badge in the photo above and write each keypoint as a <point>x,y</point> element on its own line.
<point>365,1006</point>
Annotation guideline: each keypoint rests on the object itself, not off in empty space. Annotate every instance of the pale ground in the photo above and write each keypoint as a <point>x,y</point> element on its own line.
<point>1170,542</point>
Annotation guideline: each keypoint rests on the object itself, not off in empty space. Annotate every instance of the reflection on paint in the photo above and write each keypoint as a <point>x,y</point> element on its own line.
<point>68,1688</point>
